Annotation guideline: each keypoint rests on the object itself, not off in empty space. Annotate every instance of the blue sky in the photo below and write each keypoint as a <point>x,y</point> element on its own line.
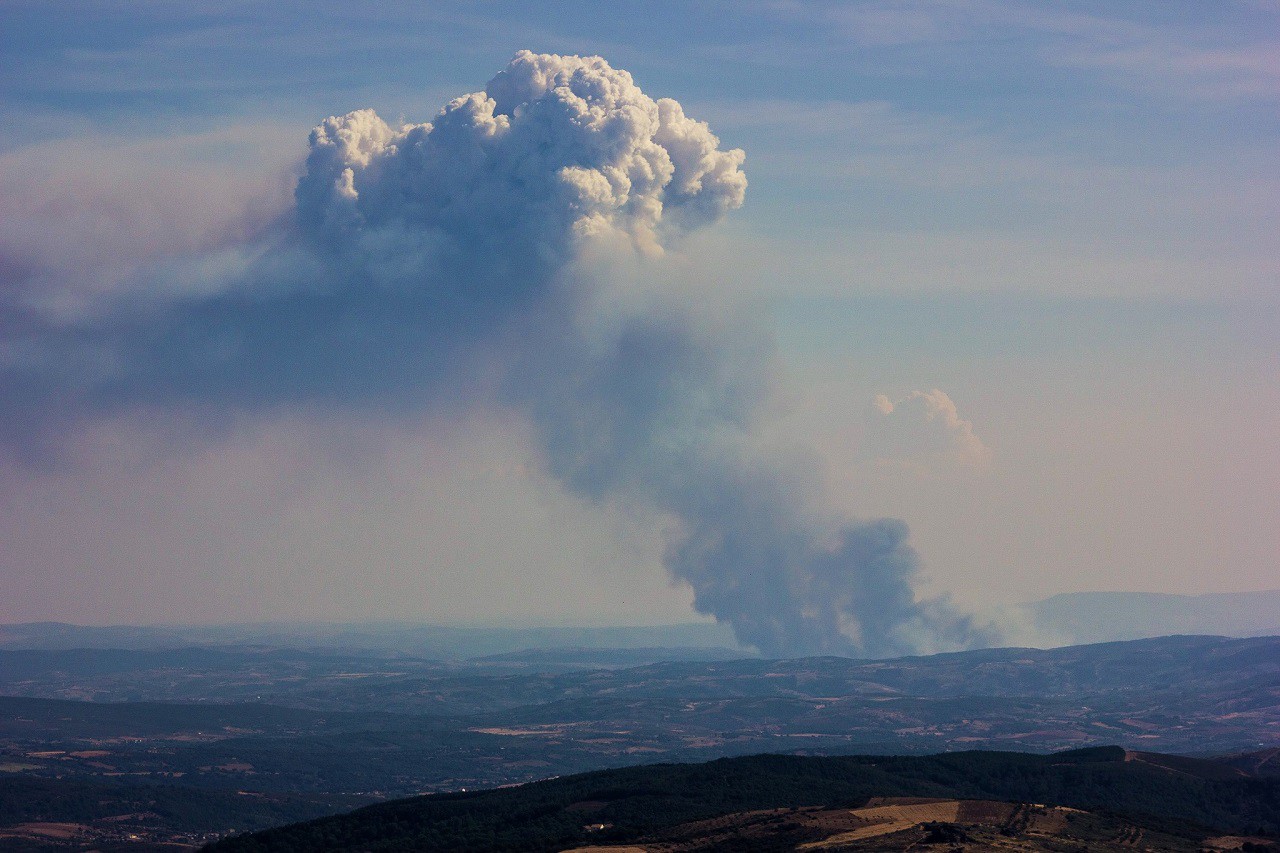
<point>1066,217</point>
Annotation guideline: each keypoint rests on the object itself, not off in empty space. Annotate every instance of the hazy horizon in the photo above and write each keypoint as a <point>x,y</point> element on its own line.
<point>693,619</point>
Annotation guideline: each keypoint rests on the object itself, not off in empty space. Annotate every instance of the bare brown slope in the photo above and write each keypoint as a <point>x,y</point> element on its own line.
<point>899,824</point>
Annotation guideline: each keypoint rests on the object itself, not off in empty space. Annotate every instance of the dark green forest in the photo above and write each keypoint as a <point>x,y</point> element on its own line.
<point>638,801</point>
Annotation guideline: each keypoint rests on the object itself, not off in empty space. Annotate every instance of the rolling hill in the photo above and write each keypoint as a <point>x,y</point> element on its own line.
<point>774,802</point>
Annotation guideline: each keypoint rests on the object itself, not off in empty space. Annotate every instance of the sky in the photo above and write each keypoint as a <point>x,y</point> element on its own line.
<point>1005,272</point>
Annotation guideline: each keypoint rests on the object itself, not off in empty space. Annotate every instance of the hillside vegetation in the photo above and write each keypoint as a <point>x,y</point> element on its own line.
<point>1175,797</point>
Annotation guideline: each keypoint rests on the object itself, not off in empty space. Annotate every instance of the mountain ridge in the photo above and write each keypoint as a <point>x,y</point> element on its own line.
<point>1190,801</point>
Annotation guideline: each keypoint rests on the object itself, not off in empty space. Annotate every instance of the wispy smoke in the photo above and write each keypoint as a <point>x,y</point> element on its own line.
<point>428,261</point>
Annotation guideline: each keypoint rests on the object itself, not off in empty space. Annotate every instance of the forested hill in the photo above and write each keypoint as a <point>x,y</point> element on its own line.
<point>1184,798</point>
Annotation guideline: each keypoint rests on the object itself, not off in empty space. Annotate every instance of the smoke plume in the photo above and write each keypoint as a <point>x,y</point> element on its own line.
<point>428,263</point>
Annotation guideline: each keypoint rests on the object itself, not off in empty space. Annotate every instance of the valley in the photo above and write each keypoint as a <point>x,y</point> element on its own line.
<point>271,735</point>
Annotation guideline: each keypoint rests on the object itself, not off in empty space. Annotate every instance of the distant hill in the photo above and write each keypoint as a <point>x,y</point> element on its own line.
<point>577,657</point>
<point>1263,762</point>
<point>382,638</point>
<point>66,814</point>
<point>304,729</point>
<point>1066,619</point>
<point>1099,617</point>
<point>471,724</point>
<point>1144,802</point>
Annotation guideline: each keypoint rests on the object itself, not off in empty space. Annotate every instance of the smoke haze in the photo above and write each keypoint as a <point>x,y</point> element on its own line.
<point>508,252</point>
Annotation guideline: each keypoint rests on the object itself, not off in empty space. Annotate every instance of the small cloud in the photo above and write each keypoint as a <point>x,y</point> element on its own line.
<point>922,428</point>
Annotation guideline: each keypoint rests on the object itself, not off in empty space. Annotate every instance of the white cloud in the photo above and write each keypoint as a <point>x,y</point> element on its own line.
<point>920,429</point>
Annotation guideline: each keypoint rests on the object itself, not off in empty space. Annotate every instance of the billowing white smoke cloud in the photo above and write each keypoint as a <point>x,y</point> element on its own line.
<point>555,148</point>
<point>922,428</point>
<point>426,258</point>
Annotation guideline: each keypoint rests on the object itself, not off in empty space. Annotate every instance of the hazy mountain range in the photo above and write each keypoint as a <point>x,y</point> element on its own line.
<point>1096,617</point>
<point>1066,619</point>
